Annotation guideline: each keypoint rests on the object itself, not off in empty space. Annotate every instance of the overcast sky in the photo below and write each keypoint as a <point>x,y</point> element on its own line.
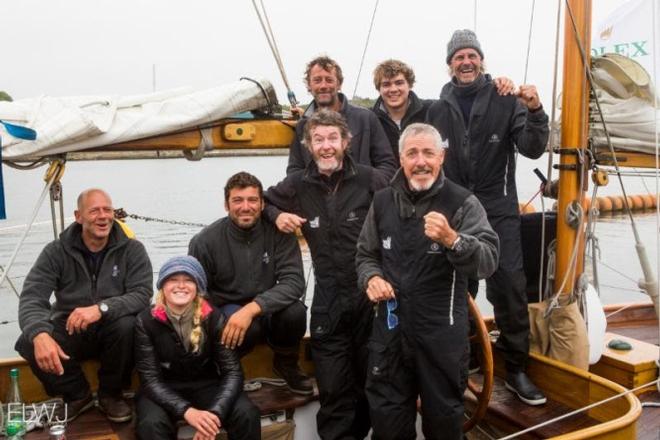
<point>76,47</point>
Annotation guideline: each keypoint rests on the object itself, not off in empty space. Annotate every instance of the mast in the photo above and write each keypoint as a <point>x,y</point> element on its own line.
<point>574,130</point>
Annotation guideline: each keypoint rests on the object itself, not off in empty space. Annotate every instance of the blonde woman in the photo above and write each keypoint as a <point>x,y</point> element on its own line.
<point>185,372</point>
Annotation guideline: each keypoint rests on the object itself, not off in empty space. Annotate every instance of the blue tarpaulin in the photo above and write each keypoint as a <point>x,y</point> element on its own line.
<point>3,213</point>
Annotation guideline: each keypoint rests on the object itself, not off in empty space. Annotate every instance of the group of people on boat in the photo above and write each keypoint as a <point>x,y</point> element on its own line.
<point>395,253</point>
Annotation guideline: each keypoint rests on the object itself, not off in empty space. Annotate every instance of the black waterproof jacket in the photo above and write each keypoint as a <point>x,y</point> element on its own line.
<point>124,281</point>
<point>482,156</point>
<point>477,255</point>
<point>334,214</point>
<point>416,112</point>
<point>369,145</point>
<point>260,264</point>
<point>163,362</point>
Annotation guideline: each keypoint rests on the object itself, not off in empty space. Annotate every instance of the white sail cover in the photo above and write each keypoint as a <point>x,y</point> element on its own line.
<point>625,41</point>
<point>628,103</point>
<point>82,122</point>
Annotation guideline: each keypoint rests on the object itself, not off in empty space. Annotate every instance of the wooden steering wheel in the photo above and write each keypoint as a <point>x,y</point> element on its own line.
<point>482,393</point>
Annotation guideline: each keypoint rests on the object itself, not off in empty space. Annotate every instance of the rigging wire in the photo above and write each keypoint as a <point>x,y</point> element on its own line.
<point>270,37</point>
<point>474,20</point>
<point>553,132</point>
<point>52,178</point>
<point>529,40</point>
<point>649,279</point>
<point>366,44</point>
<point>657,159</point>
<point>579,410</point>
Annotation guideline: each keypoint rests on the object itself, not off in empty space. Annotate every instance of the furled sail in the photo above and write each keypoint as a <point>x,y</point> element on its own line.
<point>628,101</point>
<point>83,122</point>
<point>624,48</point>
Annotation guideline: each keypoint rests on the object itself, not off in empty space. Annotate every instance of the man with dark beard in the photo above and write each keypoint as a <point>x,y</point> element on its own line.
<point>368,145</point>
<point>485,132</point>
<point>329,200</point>
<point>255,277</point>
<point>422,238</point>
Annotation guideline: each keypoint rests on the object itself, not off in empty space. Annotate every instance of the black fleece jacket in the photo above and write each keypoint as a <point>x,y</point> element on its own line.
<point>260,264</point>
<point>416,112</point>
<point>124,280</point>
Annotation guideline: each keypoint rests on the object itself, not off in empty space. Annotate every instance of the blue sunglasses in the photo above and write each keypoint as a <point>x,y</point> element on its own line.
<point>392,319</point>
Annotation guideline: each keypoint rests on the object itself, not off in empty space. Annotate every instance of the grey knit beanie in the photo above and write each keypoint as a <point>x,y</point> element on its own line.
<point>463,39</point>
<point>183,264</point>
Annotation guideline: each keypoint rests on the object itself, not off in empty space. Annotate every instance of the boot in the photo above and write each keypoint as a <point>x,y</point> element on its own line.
<point>285,365</point>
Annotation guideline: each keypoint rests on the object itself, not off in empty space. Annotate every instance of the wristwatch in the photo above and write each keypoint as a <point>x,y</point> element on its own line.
<point>103,307</point>
<point>456,246</point>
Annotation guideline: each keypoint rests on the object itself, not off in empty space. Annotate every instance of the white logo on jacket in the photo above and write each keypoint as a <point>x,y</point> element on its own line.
<point>494,139</point>
<point>435,248</point>
<point>115,271</point>
<point>352,216</point>
<point>315,222</point>
<point>265,258</point>
<point>387,243</point>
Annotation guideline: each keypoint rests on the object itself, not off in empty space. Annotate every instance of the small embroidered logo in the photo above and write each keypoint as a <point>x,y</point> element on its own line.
<point>265,259</point>
<point>494,138</point>
<point>435,248</point>
<point>115,271</point>
<point>352,216</point>
<point>387,243</point>
<point>315,222</point>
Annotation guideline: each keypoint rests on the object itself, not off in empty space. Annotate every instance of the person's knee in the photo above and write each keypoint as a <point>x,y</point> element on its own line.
<point>244,413</point>
<point>149,427</point>
<point>122,327</point>
<point>291,320</point>
<point>24,348</point>
<point>152,420</point>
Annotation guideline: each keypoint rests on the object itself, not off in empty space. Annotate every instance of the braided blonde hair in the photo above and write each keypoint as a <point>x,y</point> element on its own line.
<point>196,333</point>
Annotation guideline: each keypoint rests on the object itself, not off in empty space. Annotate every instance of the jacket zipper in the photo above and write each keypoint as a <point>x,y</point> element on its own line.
<point>506,174</point>
<point>451,300</point>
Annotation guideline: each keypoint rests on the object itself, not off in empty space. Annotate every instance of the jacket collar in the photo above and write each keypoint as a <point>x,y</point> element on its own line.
<point>348,170</point>
<point>244,235</point>
<point>450,88</point>
<point>71,237</point>
<point>160,314</point>
<point>415,105</point>
<point>404,203</point>
<point>311,108</point>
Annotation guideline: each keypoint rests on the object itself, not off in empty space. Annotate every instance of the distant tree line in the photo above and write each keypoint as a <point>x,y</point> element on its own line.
<point>4,96</point>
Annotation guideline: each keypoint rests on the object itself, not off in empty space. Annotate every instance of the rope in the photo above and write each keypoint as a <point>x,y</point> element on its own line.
<point>121,214</point>
<point>591,239</point>
<point>529,41</point>
<point>475,17</point>
<point>30,166</point>
<point>553,126</point>
<point>270,37</point>
<point>579,410</point>
<point>366,44</point>
<point>53,173</point>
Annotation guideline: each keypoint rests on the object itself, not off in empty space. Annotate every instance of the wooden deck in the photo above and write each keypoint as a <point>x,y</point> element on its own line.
<point>506,413</point>
<point>92,425</point>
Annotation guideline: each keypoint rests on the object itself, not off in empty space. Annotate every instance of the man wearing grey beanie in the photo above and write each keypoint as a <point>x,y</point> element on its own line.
<point>485,131</point>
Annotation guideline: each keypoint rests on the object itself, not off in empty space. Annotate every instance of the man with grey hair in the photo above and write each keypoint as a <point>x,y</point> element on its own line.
<point>101,279</point>
<point>422,238</point>
<point>485,132</point>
